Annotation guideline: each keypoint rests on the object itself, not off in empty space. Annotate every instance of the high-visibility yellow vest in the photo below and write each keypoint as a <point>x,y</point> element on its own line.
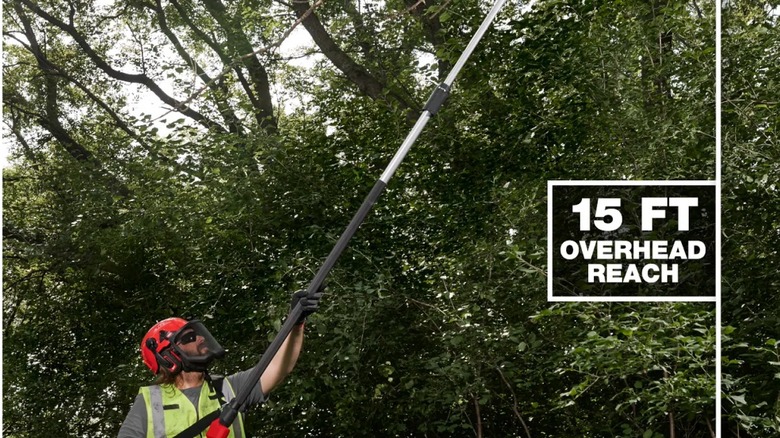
<point>169,411</point>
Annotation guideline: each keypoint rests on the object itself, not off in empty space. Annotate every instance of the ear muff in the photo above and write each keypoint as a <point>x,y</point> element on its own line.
<point>166,358</point>
<point>156,346</point>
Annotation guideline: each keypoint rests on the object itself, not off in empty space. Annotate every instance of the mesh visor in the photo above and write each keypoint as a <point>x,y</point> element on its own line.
<point>196,345</point>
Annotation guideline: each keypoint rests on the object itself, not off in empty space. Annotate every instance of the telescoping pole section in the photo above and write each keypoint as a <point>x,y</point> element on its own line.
<point>219,428</point>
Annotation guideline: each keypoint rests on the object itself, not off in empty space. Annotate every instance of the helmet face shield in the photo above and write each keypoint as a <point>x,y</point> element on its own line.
<point>196,347</point>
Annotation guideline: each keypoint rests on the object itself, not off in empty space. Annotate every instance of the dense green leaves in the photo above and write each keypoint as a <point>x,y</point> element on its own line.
<point>750,209</point>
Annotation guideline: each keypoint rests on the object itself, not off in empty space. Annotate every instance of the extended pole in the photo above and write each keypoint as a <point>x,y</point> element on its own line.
<point>219,429</point>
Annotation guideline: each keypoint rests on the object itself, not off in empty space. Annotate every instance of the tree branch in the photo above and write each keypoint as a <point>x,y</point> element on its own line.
<point>355,72</point>
<point>514,400</point>
<point>50,120</point>
<point>477,412</point>
<point>432,29</point>
<point>232,65</point>
<point>239,43</point>
<point>116,74</point>
<point>229,63</point>
<point>117,119</point>
<point>224,108</point>
<point>26,149</point>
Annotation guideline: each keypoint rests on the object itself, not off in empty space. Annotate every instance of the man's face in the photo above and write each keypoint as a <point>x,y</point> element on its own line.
<point>192,344</point>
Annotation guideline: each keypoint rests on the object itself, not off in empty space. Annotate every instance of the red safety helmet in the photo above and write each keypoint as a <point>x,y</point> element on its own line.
<point>165,346</point>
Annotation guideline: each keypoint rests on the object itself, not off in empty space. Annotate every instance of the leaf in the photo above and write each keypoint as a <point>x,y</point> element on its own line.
<point>738,400</point>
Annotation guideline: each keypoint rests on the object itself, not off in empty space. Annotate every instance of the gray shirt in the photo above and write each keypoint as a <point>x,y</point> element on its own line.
<point>135,423</point>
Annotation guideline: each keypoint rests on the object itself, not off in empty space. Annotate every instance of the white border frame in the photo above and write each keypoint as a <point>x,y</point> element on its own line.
<point>718,224</point>
<point>555,299</point>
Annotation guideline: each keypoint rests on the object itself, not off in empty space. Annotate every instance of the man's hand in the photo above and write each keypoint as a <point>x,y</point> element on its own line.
<point>309,305</point>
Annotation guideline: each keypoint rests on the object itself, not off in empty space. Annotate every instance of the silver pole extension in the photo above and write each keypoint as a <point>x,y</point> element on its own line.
<point>440,94</point>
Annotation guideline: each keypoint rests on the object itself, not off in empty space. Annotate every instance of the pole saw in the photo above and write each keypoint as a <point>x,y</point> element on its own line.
<point>219,428</point>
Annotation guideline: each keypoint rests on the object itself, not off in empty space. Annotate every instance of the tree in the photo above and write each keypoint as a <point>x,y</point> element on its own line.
<point>750,204</point>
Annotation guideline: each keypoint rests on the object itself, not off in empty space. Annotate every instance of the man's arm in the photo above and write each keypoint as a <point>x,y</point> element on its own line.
<point>135,423</point>
<point>284,361</point>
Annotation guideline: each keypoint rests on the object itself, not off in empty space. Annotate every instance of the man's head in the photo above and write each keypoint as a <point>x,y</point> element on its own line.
<point>175,345</point>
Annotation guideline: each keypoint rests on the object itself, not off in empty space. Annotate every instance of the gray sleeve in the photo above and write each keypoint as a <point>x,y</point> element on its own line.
<point>134,425</point>
<point>238,380</point>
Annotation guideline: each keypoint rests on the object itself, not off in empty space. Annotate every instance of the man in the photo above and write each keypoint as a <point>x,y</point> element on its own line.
<point>179,353</point>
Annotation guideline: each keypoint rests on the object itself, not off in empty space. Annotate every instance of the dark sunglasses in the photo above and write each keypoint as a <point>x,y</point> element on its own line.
<point>186,338</point>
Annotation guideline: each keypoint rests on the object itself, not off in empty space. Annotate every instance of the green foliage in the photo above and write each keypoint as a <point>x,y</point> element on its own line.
<point>643,366</point>
<point>750,211</point>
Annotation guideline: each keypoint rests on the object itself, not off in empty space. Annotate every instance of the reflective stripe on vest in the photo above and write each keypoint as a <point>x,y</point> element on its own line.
<point>169,411</point>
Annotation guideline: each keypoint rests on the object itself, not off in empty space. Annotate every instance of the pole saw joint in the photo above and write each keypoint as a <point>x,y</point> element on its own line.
<point>439,95</point>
